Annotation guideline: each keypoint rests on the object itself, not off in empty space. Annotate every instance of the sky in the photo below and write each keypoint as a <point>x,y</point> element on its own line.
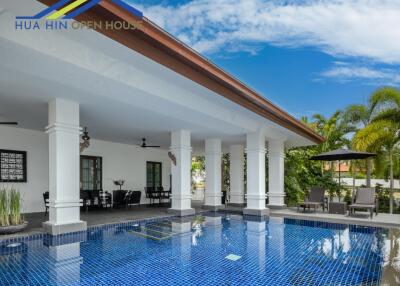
<point>306,56</point>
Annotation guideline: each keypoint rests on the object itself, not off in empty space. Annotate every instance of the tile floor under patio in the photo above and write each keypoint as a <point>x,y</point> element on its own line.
<point>102,216</point>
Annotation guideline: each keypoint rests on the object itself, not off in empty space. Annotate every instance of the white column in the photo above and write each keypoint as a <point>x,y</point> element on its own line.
<point>64,202</point>
<point>213,192</point>
<point>255,175</point>
<point>236,174</point>
<point>276,164</point>
<point>181,183</point>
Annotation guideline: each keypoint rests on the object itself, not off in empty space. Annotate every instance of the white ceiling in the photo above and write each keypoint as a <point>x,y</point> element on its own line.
<point>123,95</point>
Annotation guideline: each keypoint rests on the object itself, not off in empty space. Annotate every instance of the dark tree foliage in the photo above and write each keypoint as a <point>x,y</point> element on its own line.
<point>301,174</point>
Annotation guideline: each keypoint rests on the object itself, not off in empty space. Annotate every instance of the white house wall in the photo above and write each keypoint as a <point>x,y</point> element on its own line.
<point>120,161</point>
<point>374,182</point>
<point>36,145</point>
<point>128,162</point>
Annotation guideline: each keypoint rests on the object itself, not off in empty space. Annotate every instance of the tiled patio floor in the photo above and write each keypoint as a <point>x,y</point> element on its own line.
<point>360,218</point>
<point>98,217</point>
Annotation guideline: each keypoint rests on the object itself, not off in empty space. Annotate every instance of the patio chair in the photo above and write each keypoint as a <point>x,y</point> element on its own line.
<point>151,194</point>
<point>164,195</point>
<point>90,199</point>
<point>315,199</point>
<point>365,199</point>
<point>133,198</point>
<point>105,199</point>
<point>46,196</point>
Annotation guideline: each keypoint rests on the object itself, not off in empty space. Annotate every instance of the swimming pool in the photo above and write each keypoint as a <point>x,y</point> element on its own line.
<point>212,249</point>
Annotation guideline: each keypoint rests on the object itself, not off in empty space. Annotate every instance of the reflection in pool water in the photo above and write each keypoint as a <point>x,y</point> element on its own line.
<point>193,251</point>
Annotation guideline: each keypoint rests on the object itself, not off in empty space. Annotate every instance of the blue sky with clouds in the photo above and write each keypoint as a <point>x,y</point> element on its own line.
<point>307,56</point>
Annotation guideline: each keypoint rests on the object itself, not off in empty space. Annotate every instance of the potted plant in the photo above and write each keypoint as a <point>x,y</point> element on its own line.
<point>119,183</point>
<point>11,220</point>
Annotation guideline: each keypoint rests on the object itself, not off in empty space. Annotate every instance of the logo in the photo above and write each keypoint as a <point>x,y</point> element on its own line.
<point>57,16</point>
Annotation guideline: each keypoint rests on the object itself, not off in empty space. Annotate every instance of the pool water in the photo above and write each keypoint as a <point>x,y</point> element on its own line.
<point>215,249</point>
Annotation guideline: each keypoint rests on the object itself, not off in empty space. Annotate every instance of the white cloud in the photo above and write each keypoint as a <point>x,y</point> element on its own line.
<point>344,72</point>
<point>356,28</point>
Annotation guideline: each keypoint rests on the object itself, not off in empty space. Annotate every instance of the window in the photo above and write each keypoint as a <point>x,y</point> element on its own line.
<point>154,174</point>
<point>91,173</point>
<point>12,166</point>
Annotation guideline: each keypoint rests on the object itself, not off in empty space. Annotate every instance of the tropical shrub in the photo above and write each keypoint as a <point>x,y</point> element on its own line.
<point>10,207</point>
<point>348,197</point>
<point>301,174</point>
<point>4,218</point>
<point>15,207</point>
<point>383,196</point>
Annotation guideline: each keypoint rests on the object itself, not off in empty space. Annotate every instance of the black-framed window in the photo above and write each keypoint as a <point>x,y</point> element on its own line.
<point>153,174</point>
<point>91,173</point>
<point>13,166</point>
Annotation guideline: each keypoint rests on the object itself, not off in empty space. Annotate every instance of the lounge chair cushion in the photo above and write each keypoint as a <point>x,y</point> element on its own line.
<point>316,195</point>
<point>362,206</point>
<point>312,203</point>
<point>365,196</point>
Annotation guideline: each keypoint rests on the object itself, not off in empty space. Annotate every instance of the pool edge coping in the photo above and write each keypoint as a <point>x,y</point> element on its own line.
<point>345,220</point>
<point>41,234</point>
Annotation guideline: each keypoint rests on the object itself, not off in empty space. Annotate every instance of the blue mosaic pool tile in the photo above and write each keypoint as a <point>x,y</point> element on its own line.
<point>272,252</point>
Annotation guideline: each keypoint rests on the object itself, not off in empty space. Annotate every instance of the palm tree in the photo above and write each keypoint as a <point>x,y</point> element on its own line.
<point>386,102</point>
<point>333,129</point>
<point>359,116</point>
<point>382,134</point>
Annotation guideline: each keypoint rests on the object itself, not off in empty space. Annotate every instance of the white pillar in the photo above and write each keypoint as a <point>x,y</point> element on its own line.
<point>255,175</point>
<point>64,201</point>
<point>276,164</point>
<point>236,174</point>
<point>181,183</point>
<point>213,192</point>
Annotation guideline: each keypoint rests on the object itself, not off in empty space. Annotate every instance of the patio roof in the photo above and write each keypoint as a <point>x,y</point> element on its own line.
<point>156,44</point>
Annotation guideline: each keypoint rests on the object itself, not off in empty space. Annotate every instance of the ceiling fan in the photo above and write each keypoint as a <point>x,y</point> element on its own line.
<point>144,145</point>
<point>8,123</point>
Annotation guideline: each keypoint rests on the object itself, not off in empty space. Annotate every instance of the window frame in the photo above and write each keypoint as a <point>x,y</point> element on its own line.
<point>154,163</point>
<point>93,158</point>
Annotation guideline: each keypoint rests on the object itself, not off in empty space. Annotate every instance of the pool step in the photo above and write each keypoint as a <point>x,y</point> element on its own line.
<point>163,223</point>
<point>156,231</point>
<point>147,235</point>
<point>161,229</point>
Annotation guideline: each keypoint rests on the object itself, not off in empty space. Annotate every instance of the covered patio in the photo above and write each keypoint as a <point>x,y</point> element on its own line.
<point>150,86</point>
